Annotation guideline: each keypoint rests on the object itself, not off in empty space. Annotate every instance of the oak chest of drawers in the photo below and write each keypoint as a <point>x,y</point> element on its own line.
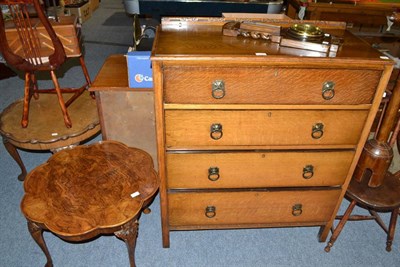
<point>251,135</point>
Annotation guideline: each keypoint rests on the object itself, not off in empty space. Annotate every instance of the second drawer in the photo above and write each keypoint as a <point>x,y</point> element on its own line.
<point>257,169</point>
<point>197,128</point>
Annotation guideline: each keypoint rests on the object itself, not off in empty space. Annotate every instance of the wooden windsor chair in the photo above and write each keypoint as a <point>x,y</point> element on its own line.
<point>373,187</point>
<point>32,56</point>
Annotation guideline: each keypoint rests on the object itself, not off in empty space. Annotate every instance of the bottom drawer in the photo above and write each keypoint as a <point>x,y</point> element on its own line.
<point>227,209</point>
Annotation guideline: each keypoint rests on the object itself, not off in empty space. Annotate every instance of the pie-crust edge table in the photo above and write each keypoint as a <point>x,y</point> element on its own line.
<point>46,130</point>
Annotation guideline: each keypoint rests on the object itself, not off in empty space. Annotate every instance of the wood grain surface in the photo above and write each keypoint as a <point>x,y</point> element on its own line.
<point>88,188</point>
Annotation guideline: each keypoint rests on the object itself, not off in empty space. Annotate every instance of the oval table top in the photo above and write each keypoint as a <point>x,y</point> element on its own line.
<point>84,191</point>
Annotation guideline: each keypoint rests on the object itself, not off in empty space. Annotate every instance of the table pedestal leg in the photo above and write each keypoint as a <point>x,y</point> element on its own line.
<point>129,233</point>
<point>12,150</point>
<point>37,234</point>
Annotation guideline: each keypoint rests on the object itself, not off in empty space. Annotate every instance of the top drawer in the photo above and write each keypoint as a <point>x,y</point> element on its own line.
<point>267,85</point>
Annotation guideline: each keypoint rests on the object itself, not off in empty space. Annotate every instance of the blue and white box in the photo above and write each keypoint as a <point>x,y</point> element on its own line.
<point>140,74</point>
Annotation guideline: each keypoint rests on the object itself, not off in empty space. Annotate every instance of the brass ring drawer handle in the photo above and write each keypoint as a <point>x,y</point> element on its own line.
<point>216,131</point>
<point>218,89</point>
<point>317,130</point>
<point>210,212</point>
<point>213,174</point>
<point>328,90</point>
<point>308,171</point>
<point>297,209</point>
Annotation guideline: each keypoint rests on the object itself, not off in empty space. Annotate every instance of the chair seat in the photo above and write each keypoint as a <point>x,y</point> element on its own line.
<point>383,198</point>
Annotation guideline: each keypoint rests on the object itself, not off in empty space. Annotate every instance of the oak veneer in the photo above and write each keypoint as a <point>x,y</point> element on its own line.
<point>270,101</point>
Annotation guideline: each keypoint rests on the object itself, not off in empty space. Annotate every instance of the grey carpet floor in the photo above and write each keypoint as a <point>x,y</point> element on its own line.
<point>109,32</point>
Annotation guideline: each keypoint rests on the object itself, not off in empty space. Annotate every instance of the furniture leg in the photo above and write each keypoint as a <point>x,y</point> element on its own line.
<point>85,71</point>
<point>34,86</point>
<point>392,229</point>
<point>146,210</point>
<point>12,150</point>
<point>27,96</point>
<point>129,233</point>
<point>67,120</point>
<point>340,226</point>
<point>379,220</point>
<point>37,234</point>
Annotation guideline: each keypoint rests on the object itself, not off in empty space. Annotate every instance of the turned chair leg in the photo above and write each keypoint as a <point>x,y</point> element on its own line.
<point>27,97</point>
<point>67,120</point>
<point>85,71</point>
<point>340,226</point>
<point>86,74</point>
<point>34,86</point>
<point>392,229</point>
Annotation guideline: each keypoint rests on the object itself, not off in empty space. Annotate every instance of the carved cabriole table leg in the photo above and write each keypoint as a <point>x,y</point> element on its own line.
<point>129,233</point>
<point>12,150</point>
<point>37,234</point>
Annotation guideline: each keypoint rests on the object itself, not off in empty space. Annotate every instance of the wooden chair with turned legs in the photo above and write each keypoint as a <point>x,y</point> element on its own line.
<point>373,187</point>
<point>32,54</point>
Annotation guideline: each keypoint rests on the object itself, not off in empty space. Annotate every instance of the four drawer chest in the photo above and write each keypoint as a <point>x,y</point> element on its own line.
<point>254,135</point>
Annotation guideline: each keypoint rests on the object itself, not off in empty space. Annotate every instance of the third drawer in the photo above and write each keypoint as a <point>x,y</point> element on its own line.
<point>257,169</point>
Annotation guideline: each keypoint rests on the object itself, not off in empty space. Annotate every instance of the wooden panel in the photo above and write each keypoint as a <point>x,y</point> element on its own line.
<point>191,128</point>
<point>261,169</point>
<point>266,85</point>
<point>251,207</point>
<point>128,117</point>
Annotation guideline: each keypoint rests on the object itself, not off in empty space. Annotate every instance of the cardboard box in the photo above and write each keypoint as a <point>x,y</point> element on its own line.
<point>81,10</point>
<point>94,4</point>
<point>140,74</point>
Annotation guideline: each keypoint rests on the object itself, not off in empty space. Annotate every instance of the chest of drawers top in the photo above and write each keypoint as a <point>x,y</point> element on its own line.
<point>206,42</point>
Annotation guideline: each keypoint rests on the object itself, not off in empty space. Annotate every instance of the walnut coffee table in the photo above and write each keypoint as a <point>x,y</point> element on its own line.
<point>86,191</point>
<point>46,129</point>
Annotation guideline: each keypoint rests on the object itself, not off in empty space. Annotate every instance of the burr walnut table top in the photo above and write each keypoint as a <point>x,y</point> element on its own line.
<point>85,191</point>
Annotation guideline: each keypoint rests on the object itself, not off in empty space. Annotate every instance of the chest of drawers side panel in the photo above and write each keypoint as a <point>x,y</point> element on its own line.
<point>161,152</point>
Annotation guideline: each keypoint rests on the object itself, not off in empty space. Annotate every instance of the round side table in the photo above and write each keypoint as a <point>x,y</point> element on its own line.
<point>89,190</point>
<point>46,129</point>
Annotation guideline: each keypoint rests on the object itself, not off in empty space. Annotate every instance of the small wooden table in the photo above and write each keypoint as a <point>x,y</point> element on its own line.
<point>86,191</point>
<point>46,130</point>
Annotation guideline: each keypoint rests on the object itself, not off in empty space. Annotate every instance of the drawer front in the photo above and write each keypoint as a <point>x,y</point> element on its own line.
<point>196,128</point>
<point>229,208</point>
<point>267,169</point>
<point>265,85</point>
